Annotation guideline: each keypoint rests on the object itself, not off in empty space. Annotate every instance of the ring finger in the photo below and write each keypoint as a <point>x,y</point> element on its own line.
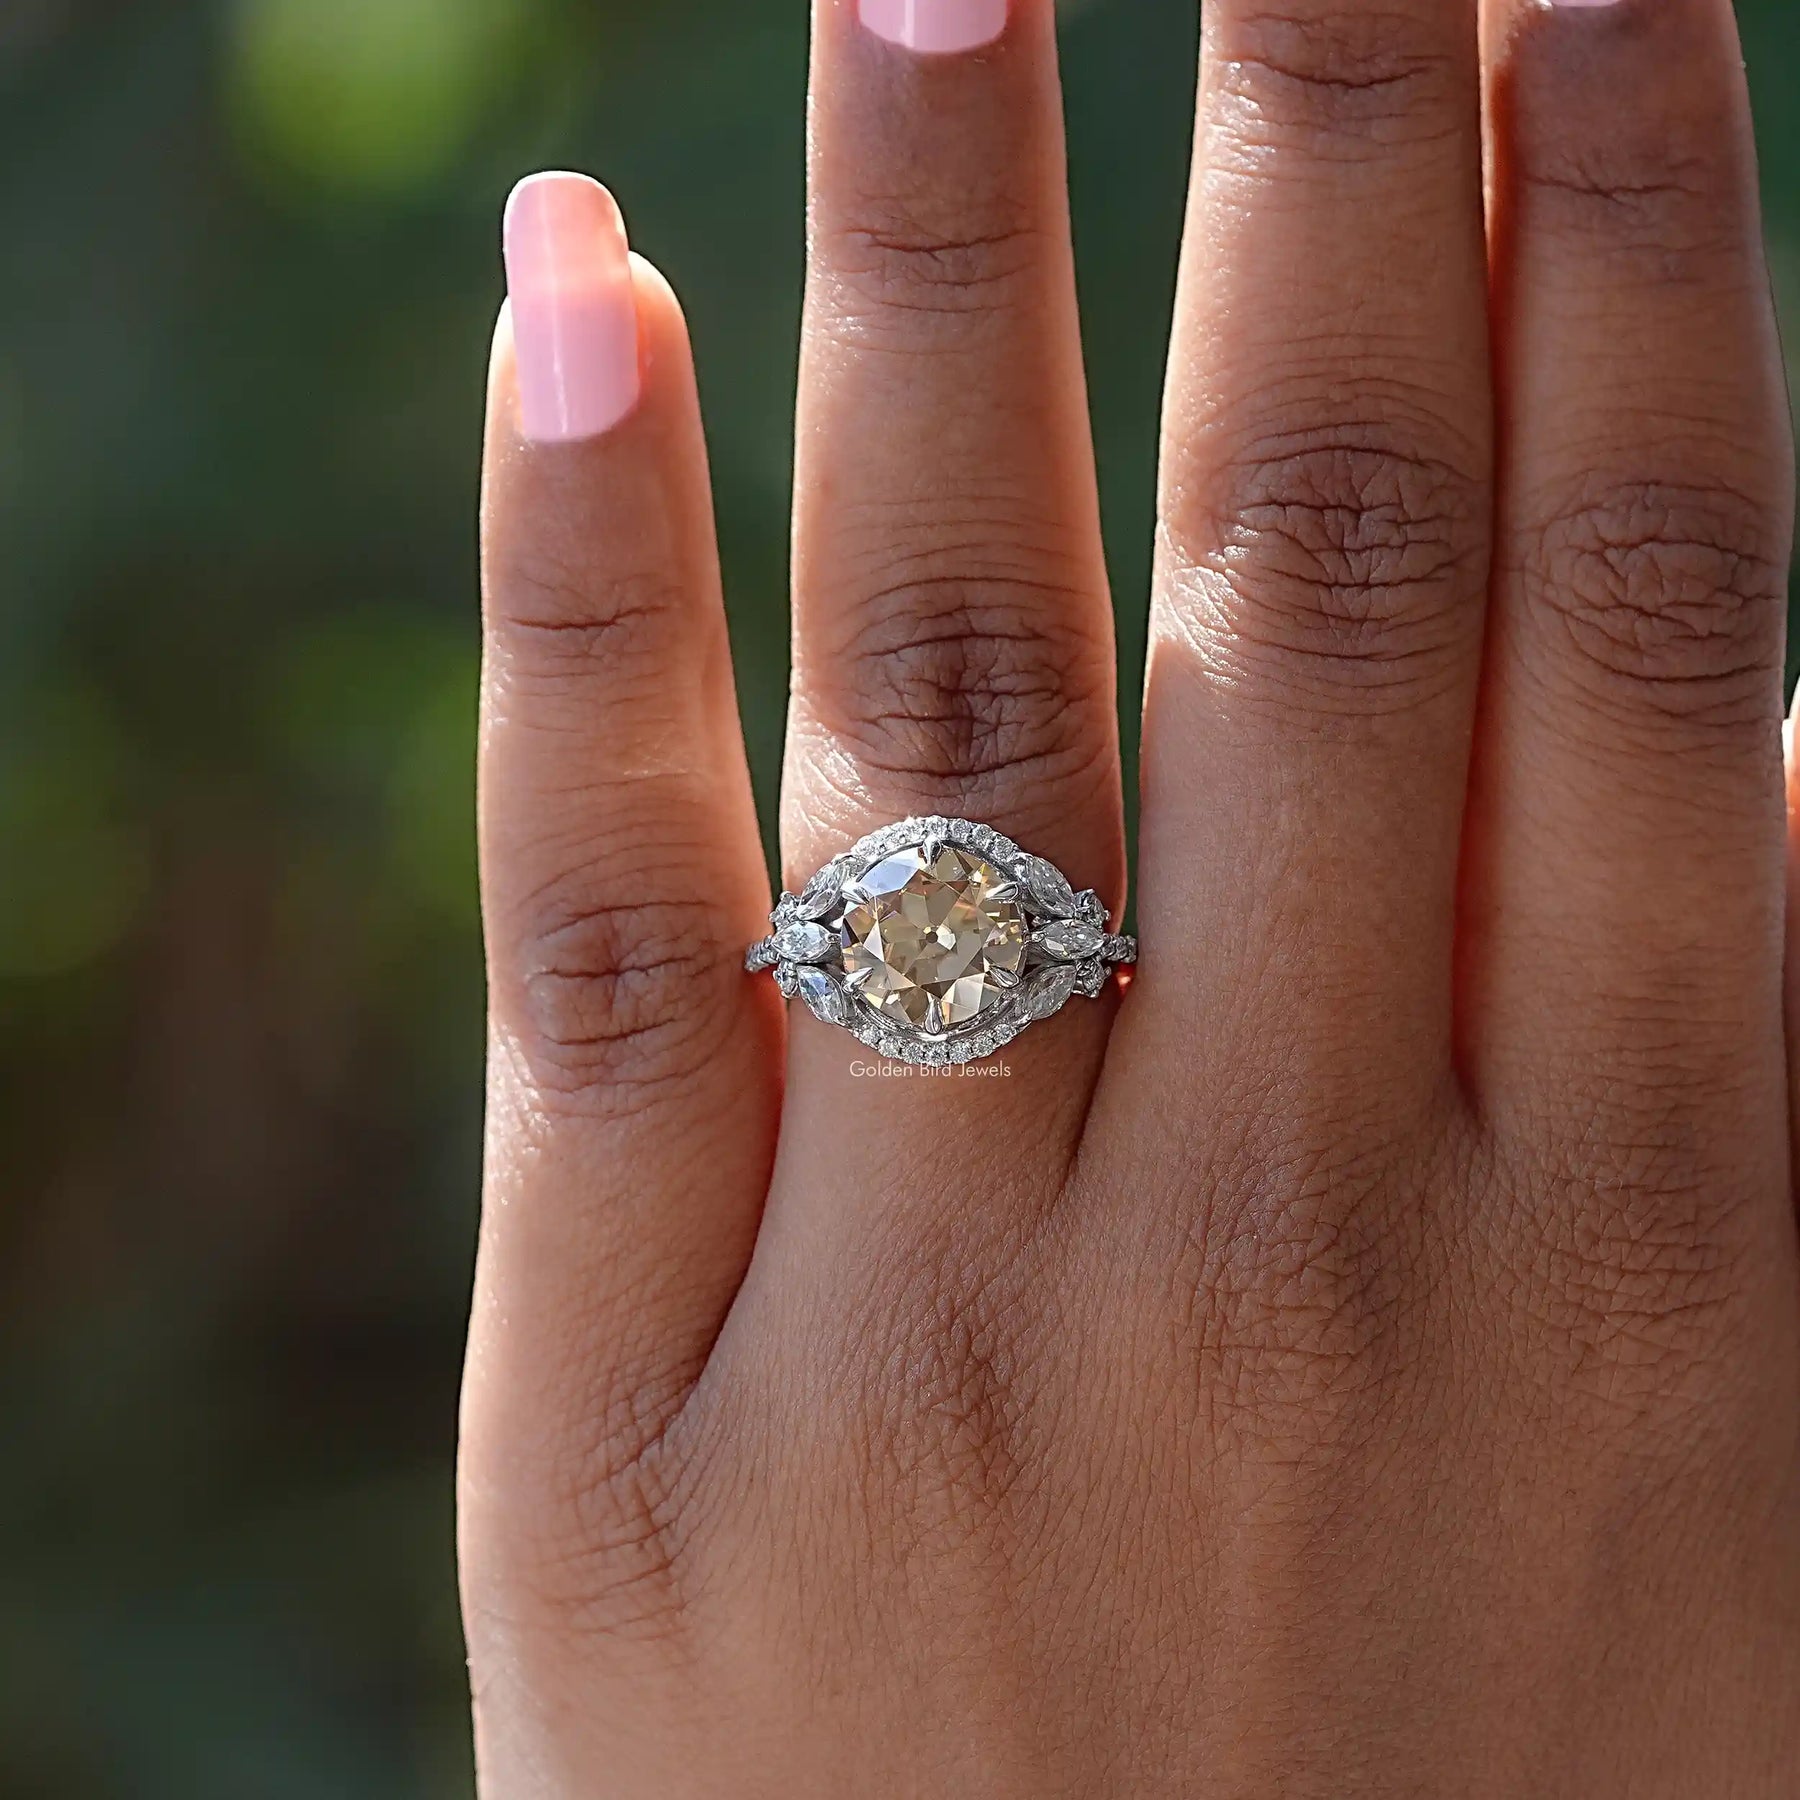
<point>953,632</point>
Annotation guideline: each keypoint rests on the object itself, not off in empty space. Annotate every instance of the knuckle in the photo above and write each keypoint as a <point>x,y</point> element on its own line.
<point>1330,569</point>
<point>1663,188</point>
<point>948,1447</point>
<point>892,256</point>
<point>624,984</point>
<point>553,621</point>
<point>1664,211</point>
<point>1359,78</point>
<point>1635,1274</point>
<point>599,1552</point>
<point>1293,1302</point>
<point>960,1442</point>
<point>1671,596</point>
<point>962,687</point>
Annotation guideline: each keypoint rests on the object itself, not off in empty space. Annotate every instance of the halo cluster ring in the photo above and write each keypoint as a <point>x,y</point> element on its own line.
<point>937,941</point>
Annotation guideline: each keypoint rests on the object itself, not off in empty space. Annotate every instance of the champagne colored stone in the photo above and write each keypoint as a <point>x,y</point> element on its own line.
<point>924,940</point>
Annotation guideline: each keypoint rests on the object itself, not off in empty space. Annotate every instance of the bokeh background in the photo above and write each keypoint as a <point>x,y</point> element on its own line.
<point>248,268</point>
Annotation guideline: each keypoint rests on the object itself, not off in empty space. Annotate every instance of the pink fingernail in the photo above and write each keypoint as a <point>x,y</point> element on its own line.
<point>574,318</point>
<point>936,27</point>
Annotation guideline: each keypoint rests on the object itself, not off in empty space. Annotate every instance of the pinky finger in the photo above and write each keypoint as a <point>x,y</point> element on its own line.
<point>633,1095</point>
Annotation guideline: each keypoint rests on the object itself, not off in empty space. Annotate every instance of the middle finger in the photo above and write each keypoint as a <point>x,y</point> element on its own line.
<point>1324,552</point>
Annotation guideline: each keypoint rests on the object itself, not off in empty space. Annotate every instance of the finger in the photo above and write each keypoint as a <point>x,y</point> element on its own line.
<point>1629,889</point>
<point>1326,457</point>
<point>953,635</point>
<point>633,1079</point>
<point>953,632</point>
<point>1791,773</point>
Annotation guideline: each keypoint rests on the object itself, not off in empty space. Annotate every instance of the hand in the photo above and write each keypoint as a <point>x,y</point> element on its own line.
<point>1362,1358</point>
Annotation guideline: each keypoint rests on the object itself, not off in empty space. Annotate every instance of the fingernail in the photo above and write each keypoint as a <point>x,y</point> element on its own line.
<point>936,27</point>
<point>1562,3</point>
<point>575,334</point>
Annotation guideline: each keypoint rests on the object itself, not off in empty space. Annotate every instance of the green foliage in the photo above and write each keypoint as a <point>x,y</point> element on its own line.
<point>76,868</point>
<point>369,95</point>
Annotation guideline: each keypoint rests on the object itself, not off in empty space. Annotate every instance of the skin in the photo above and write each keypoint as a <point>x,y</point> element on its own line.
<point>1362,1357</point>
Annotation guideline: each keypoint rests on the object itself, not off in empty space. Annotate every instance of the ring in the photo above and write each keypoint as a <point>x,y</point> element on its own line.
<point>937,941</point>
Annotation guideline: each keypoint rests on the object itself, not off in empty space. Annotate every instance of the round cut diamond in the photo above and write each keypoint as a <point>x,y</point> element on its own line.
<point>933,944</point>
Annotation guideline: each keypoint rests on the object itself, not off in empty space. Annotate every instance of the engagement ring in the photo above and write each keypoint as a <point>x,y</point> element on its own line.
<point>936,941</point>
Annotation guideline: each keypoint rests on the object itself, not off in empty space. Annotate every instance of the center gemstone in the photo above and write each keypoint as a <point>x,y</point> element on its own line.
<point>933,944</point>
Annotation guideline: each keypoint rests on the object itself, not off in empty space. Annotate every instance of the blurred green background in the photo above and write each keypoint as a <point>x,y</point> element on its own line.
<point>248,268</point>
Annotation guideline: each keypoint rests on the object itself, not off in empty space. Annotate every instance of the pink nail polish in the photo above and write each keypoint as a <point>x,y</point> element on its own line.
<point>936,27</point>
<point>574,318</point>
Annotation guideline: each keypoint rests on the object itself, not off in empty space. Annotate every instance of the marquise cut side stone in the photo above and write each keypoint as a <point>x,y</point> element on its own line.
<point>1052,990</point>
<point>1049,886</point>
<point>803,941</point>
<point>1069,940</point>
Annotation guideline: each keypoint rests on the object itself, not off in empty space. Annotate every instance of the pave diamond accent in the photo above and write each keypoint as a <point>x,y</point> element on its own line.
<point>930,942</point>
